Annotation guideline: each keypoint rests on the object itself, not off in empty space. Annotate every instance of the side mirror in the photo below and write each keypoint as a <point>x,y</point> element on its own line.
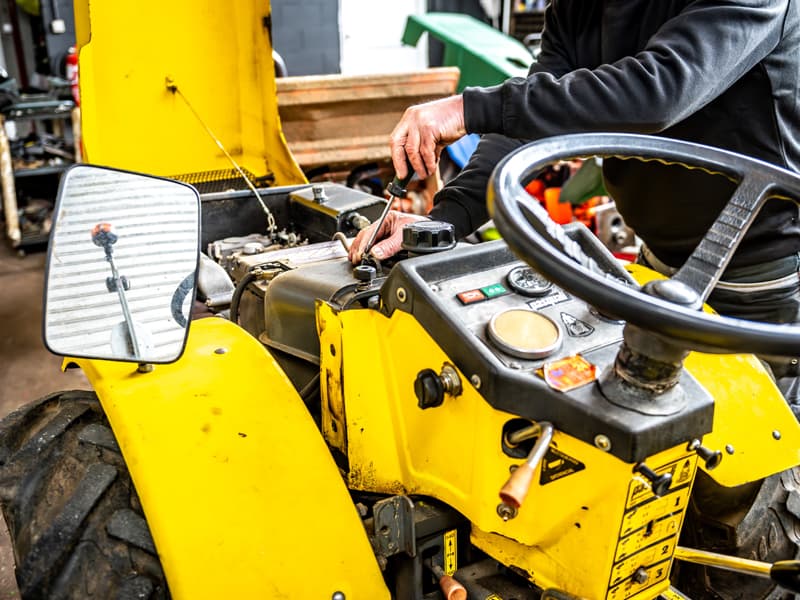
<point>121,266</point>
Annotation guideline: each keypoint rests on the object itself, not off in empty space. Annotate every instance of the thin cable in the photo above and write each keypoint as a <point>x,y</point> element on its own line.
<point>172,87</point>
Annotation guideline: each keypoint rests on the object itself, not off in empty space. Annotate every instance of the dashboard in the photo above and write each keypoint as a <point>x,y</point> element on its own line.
<point>532,349</point>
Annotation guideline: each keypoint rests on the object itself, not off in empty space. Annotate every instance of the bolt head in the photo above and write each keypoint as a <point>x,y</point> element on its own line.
<point>602,442</point>
<point>506,512</point>
<point>641,575</point>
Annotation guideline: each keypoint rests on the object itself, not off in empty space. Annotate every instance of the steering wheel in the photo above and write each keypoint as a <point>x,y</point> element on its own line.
<point>669,308</point>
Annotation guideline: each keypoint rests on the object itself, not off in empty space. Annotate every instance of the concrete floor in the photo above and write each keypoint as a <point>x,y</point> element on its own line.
<point>27,369</point>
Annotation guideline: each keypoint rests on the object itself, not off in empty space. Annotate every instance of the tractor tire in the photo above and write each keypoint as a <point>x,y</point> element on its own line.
<point>75,521</point>
<point>759,521</point>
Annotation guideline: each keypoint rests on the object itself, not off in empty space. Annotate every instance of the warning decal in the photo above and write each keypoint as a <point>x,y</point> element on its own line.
<point>557,465</point>
<point>450,552</point>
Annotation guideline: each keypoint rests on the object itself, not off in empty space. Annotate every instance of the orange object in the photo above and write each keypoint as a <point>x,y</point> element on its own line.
<point>452,589</point>
<point>536,189</point>
<point>517,486</point>
<point>560,212</point>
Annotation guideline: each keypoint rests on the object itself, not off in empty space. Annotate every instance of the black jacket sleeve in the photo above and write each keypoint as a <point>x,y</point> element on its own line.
<point>691,59</point>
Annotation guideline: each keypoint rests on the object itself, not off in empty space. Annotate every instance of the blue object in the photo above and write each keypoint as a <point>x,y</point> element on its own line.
<point>462,149</point>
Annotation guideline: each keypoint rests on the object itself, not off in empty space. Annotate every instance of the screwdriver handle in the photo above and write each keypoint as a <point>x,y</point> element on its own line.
<point>397,187</point>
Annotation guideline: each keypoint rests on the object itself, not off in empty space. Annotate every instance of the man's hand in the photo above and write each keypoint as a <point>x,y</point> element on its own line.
<point>391,234</point>
<point>423,131</point>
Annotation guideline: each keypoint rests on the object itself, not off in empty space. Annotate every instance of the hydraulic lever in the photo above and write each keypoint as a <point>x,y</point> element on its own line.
<point>451,588</point>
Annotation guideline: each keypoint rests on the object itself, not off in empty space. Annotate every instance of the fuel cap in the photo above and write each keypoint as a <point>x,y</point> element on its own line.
<point>424,237</point>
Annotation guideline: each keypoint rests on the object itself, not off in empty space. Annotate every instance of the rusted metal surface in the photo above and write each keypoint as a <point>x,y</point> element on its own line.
<point>337,120</point>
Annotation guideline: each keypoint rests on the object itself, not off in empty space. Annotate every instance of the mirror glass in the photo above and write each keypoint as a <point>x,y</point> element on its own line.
<point>121,267</point>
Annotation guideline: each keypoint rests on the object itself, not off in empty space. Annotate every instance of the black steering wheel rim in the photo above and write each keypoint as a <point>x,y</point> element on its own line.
<point>509,204</point>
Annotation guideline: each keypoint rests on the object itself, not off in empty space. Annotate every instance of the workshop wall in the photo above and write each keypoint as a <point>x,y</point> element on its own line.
<point>306,35</point>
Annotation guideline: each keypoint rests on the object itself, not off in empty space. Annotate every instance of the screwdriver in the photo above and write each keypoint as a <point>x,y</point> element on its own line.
<point>396,189</point>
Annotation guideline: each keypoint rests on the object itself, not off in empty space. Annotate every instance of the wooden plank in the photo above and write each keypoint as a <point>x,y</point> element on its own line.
<point>340,120</point>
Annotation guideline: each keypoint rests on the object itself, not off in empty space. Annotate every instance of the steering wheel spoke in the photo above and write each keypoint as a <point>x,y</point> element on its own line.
<point>708,261</point>
<point>540,220</point>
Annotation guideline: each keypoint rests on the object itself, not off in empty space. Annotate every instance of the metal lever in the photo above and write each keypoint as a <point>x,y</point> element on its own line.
<point>515,490</point>
<point>451,588</point>
<point>786,573</point>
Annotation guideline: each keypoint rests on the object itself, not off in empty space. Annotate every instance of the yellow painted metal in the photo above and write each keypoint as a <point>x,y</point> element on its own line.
<point>453,453</point>
<point>219,55</point>
<point>236,482</point>
<point>750,414</point>
<point>329,329</point>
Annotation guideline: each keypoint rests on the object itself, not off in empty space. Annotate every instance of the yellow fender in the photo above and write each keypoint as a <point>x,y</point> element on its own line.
<point>240,491</point>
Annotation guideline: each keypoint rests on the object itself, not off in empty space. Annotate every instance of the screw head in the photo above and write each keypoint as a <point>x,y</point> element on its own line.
<point>776,434</point>
<point>338,596</point>
<point>221,351</point>
<point>475,381</point>
<point>602,442</point>
<point>641,575</point>
<point>401,294</point>
<point>729,449</point>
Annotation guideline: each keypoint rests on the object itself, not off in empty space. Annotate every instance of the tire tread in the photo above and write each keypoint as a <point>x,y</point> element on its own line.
<point>72,512</point>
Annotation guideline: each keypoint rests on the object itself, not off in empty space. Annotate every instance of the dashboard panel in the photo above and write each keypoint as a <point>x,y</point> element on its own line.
<point>532,349</point>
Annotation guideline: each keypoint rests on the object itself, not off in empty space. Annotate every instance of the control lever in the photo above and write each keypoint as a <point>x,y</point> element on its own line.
<point>451,588</point>
<point>786,573</point>
<point>395,189</point>
<point>659,484</point>
<point>513,493</point>
<point>711,458</point>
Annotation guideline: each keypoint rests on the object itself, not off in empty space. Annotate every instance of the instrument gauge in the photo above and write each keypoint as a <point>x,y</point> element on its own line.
<point>524,333</point>
<point>524,280</point>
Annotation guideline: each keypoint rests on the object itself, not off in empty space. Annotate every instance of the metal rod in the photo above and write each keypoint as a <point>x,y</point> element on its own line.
<point>378,225</point>
<point>271,226</point>
<point>723,561</point>
<point>126,312</point>
<point>520,435</point>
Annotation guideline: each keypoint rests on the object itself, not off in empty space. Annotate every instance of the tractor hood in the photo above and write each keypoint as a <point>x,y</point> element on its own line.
<point>159,81</point>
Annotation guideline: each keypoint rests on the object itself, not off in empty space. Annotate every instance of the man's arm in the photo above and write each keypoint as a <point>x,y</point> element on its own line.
<point>692,59</point>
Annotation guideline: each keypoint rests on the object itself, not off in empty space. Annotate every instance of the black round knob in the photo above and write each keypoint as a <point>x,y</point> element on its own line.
<point>711,458</point>
<point>364,273</point>
<point>424,237</point>
<point>429,389</point>
<point>659,484</point>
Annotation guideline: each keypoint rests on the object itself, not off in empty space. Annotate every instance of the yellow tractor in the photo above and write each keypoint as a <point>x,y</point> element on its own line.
<point>522,418</point>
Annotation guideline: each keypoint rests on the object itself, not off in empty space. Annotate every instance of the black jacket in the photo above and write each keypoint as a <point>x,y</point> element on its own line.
<point>721,73</point>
